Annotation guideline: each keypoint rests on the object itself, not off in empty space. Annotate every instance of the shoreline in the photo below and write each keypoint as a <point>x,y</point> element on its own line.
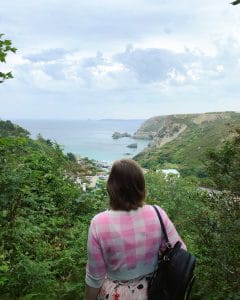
<point>92,140</point>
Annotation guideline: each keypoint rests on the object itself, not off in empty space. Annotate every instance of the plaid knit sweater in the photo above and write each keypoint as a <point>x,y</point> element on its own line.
<point>123,245</point>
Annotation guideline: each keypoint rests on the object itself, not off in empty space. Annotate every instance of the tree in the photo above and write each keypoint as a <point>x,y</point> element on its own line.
<point>235,2</point>
<point>224,165</point>
<point>44,218</point>
<point>5,48</point>
<point>9,129</point>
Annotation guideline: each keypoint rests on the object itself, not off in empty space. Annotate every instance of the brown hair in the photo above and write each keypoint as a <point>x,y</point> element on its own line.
<point>126,185</point>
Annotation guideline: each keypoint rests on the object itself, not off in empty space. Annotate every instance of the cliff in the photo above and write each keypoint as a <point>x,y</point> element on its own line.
<point>181,141</point>
<point>163,129</point>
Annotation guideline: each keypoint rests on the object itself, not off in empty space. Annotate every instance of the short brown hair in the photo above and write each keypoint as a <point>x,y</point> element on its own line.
<point>126,185</point>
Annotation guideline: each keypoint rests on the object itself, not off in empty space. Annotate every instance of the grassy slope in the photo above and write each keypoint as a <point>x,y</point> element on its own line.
<point>187,152</point>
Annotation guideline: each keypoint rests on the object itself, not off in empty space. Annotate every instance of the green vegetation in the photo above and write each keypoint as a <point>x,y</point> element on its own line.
<point>5,48</point>
<point>44,219</point>
<point>187,152</point>
<point>8,129</point>
<point>209,224</point>
<point>224,165</point>
<point>235,2</point>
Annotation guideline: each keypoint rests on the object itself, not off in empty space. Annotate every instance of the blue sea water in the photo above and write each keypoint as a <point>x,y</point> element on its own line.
<point>88,138</point>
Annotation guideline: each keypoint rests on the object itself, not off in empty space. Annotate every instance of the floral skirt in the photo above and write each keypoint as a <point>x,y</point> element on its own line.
<point>135,289</point>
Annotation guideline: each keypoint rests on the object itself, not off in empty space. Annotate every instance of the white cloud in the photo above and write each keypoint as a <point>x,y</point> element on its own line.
<point>175,75</point>
<point>102,70</point>
<point>179,57</point>
<point>219,68</point>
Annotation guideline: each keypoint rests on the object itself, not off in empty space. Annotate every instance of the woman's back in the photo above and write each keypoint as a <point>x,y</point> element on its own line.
<point>124,244</point>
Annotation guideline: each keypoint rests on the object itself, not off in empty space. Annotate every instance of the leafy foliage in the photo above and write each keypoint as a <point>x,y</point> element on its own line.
<point>44,220</point>
<point>209,224</point>
<point>7,129</point>
<point>5,48</point>
<point>235,2</point>
<point>224,165</point>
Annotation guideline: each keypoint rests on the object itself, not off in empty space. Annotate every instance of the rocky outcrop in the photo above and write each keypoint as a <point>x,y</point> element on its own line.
<point>149,128</point>
<point>143,136</point>
<point>168,133</point>
<point>160,130</point>
<point>117,135</point>
<point>133,145</point>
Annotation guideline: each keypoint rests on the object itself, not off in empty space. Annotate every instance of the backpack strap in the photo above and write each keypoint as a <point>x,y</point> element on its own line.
<point>163,227</point>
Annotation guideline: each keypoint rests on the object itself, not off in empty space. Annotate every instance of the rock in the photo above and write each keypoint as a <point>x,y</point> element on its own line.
<point>133,145</point>
<point>117,135</point>
<point>150,144</point>
<point>143,136</point>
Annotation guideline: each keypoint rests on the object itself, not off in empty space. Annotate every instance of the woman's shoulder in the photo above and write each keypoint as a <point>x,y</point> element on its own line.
<point>150,209</point>
<point>101,216</point>
<point>107,215</point>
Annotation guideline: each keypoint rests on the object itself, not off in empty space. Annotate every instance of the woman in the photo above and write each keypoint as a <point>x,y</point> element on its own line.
<point>123,242</point>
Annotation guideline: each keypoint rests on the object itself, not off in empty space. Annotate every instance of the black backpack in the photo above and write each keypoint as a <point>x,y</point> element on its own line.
<point>173,278</point>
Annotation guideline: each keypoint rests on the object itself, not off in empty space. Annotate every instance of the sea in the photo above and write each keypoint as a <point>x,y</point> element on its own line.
<point>89,138</point>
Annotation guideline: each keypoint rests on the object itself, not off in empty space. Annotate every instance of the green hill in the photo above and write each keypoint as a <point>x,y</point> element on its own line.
<point>181,141</point>
<point>44,218</point>
<point>9,129</point>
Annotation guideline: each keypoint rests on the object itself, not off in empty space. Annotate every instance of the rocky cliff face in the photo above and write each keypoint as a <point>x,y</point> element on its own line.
<point>149,128</point>
<point>167,133</point>
<point>163,129</point>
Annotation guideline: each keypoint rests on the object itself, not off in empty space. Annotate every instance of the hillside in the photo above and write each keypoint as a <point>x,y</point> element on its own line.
<point>9,129</point>
<point>181,141</point>
<point>45,217</point>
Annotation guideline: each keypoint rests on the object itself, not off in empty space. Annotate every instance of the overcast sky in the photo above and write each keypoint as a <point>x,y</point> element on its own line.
<point>120,58</point>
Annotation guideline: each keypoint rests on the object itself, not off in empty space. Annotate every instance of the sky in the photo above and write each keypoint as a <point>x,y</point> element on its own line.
<point>120,59</point>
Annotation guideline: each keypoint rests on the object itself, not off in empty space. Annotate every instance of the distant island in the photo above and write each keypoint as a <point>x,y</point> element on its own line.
<point>117,135</point>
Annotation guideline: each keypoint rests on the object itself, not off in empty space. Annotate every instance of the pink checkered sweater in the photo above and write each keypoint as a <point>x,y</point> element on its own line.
<point>123,245</point>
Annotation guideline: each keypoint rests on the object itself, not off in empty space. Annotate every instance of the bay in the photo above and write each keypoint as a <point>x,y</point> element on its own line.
<point>89,138</point>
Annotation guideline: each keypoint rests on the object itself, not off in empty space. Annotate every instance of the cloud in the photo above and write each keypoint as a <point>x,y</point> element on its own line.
<point>105,24</point>
<point>151,65</point>
<point>94,61</point>
<point>132,68</point>
<point>47,55</point>
<point>180,57</point>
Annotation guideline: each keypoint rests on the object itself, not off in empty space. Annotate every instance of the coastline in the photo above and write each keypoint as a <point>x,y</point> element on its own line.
<point>90,138</point>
